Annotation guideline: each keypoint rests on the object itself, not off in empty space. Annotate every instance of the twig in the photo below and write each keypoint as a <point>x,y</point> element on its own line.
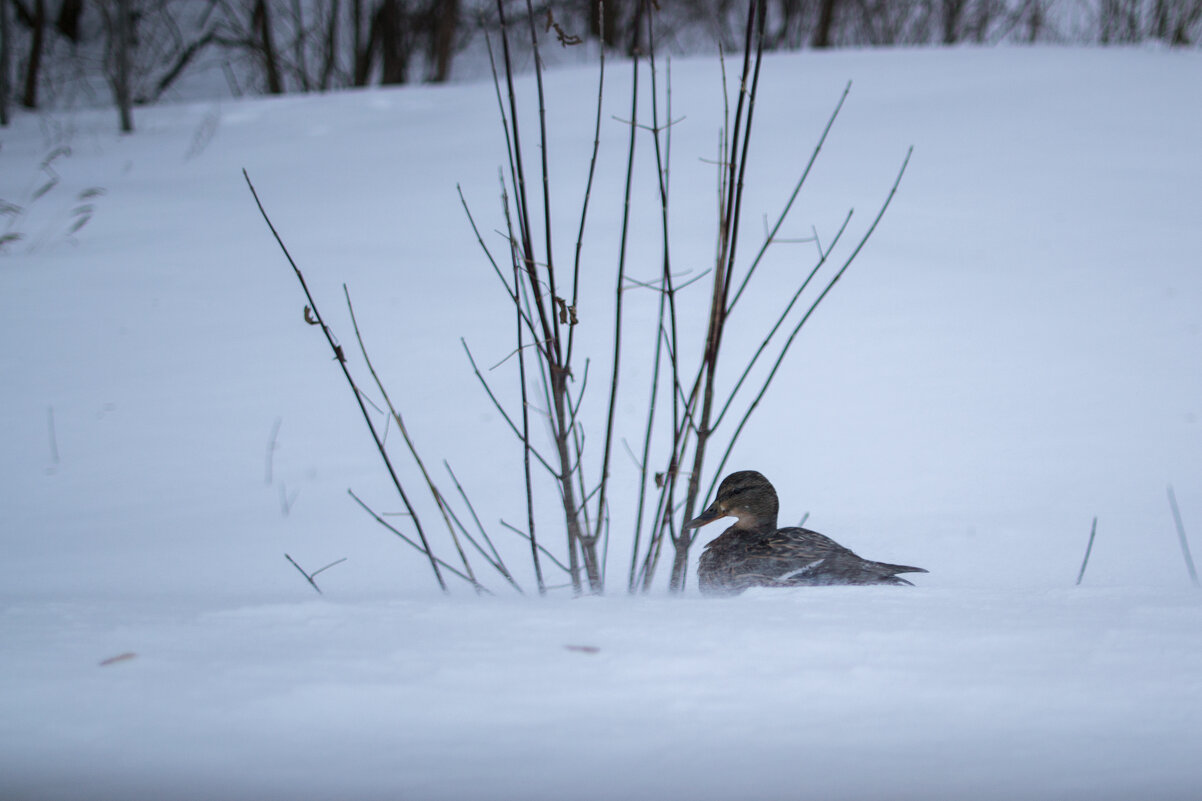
<point>771,235</point>
<point>514,352</point>
<point>496,563</point>
<point>723,276</point>
<point>272,444</point>
<point>51,430</point>
<point>544,147</point>
<point>400,422</point>
<point>527,449</point>
<point>340,357</point>
<point>480,239</point>
<point>797,328</point>
<point>665,340</point>
<point>310,576</point>
<point>779,322</point>
<point>1185,554</point>
<point>514,142</point>
<point>287,500</point>
<point>496,556</point>
<point>623,238</point>
<point>588,186</point>
<point>667,282</point>
<point>497,404</point>
<point>540,547</point>
<point>1093,529</point>
<point>327,567</point>
<point>417,546</point>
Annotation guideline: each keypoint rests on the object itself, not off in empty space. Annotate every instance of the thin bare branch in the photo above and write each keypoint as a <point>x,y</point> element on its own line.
<point>449,568</point>
<point>340,357</point>
<point>400,423</point>
<point>797,328</point>
<point>1185,554</point>
<point>623,238</point>
<point>588,185</point>
<point>320,570</point>
<point>541,549</point>
<point>308,577</point>
<point>472,510</point>
<point>771,236</point>
<point>544,147</point>
<point>496,563</point>
<point>780,321</point>
<point>497,405</point>
<point>1093,529</point>
<point>514,352</point>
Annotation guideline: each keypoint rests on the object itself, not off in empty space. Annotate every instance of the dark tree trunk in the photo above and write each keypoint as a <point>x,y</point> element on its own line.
<point>330,57</point>
<point>261,24</point>
<point>5,62</point>
<point>30,98</point>
<point>1186,18</point>
<point>67,21</point>
<point>826,21</point>
<point>791,12</point>
<point>122,44</point>
<point>362,47</point>
<point>390,32</point>
<point>445,24</point>
<point>953,11</point>
<point>298,45</point>
<point>1035,21</point>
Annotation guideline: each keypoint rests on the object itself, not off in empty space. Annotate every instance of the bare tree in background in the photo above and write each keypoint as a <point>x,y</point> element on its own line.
<point>265,39</point>
<point>37,23</point>
<point>56,49</point>
<point>1181,22</point>
<point>1129,21</point>
<point>444,24</point>
<point>392,39</point>
<point>329,50</point>
<point>389,35</point>
<point>67,23</point>
<point>121,43</point>
<point>5,61</point>
<point>1035,19</point>
<point>826,21</point>
<point>952,13</point>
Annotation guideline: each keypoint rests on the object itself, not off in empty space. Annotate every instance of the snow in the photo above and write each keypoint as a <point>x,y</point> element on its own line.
<point>1015,352</point>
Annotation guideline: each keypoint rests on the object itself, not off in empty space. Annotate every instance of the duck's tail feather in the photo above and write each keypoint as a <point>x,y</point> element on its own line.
<point>889,569</point>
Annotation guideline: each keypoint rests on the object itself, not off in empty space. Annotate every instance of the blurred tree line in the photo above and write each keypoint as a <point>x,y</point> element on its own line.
<point>137,50</point>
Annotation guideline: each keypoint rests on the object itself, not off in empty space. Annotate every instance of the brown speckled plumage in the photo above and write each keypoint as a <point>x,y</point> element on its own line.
<point>755,553</point>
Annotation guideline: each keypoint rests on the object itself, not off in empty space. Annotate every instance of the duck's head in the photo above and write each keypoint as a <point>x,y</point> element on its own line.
<point>745,495</point>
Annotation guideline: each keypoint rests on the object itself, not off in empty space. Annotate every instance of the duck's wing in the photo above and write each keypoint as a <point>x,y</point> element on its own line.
<point>787,557</point>
<point>806,544</point>
<point>818,559</point>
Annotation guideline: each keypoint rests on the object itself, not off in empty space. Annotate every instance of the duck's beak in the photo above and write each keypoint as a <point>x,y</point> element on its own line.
<point>708,516</point>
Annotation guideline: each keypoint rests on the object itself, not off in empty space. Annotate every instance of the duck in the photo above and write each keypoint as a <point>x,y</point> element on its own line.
<point>755,553</point>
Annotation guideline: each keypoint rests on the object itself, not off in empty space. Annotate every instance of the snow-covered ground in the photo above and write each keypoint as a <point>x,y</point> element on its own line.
<point>1017,350</point>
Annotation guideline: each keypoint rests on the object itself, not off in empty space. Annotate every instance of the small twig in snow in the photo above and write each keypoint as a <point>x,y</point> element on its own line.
<point>272,445</point>
<point>1185,554</point>
<point>310,576</point>
<point>1088,549</point>
<point>287,499</point>
<point>53,434</point>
